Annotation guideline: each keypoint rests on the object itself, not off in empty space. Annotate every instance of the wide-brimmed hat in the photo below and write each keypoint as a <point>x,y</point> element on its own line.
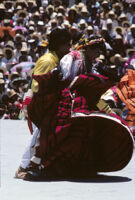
<point>19,7</point>
<point>129,51</point>
<point>10,44</point>
<point>49,7</point>
<point>109,21</point>
<point>54,1</point>
<point>110,13</point>
<point>66,24</point>
<point>60,15</point>
<point>82,22</point>
<point>2,7</point>
<point>90,28</point>
<point>1,52</point>
<point>6,50</point>
<point>117,4</point>
<point>14,75</point>
<point>60,8</point>
<point>19,37</point>
<point>118,37</point>
<point>101,57</point>
<point>12,93</point>
<point>19,80</point>
<point>73,8</point>
<point>2,81</point>
<point>22,13</point>
<point>24,47</point>
<point>84,10</point>
<point>132,27</point>
<point>36,14</point>
<point>3,69</point>
<point>118,28</point>
<point>119,57</point>
<point>125,23</point>
<point>35,36</point>
<point>104,2</point>
<point>122,17</point>
<point>32,2</point>
<point>1,75</point>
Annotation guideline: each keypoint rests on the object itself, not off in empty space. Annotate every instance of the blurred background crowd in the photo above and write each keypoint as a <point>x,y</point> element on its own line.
<point>25,26</point>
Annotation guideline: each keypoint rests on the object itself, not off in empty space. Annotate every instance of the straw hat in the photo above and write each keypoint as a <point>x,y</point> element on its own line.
<point>19,80</point>
<point>14,75</point>
<point>101,57</point>
<point>19,37</point>
<point>73,8</point>
<point>118,37</point>
<point>126,23</point>
<point>104,2</point>
<point>66,24</point>
<point>90,28</point>
<point>117,4</point>
<point>10,44</point>
<point>119,57</point>
<point>2,7</point>
<point>12,93</point>
<point>22,13</point>
<point>117,28</point>
<point>6,50</point>
<point>122,17</point>
<point>111,13</point>
<point>60,8</point>
<point>84,10</point>
<point>49,7</point>
<point>3,70</point>
<point>129,51</point>
<point>36,36</point>
<point>24,47</point>
<point>132,27</point>
<point>109,21</point>
<point>2,81</point>
<point>82,21</point>
<point>56,1</point>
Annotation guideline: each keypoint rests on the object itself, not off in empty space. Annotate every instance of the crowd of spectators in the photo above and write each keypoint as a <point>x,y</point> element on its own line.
<point>25,26</point>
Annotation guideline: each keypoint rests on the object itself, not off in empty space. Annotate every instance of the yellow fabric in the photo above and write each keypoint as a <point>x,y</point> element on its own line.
<point>102,105</point>
<point>44,64</point>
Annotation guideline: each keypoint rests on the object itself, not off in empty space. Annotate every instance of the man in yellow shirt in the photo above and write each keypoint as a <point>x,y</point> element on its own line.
<point>59,45</point>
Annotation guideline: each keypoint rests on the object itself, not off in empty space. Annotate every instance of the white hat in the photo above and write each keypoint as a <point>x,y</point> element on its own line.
<point>40,23</point>
<point>132,26</point>
<point>109,21</point>
<point>90,28</point>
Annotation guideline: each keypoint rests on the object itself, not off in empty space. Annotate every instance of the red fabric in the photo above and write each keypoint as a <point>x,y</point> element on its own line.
<point>50,109</point>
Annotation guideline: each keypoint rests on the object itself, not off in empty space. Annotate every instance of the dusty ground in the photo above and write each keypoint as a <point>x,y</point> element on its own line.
<point>13,139</point>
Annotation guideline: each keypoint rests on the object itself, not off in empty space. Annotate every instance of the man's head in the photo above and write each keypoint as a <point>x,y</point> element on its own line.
<point>92,46</point>
<point>60,41</point>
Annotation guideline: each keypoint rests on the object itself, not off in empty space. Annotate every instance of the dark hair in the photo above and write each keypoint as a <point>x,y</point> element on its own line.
<point>57,37</point>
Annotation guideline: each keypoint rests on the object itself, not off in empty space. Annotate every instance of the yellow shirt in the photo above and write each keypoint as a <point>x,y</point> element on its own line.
<point>44,64</point>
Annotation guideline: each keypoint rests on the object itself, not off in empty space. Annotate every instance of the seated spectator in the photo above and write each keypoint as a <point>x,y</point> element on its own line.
<point>2,110</point>
<point>14,112</point>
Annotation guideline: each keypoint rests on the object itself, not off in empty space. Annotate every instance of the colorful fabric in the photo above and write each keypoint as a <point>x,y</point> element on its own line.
<point>60,140</point>
<point>83,42</point>
<point>126,92</point>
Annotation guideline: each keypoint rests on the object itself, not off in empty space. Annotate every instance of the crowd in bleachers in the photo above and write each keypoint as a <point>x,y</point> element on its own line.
<point>25,26</point>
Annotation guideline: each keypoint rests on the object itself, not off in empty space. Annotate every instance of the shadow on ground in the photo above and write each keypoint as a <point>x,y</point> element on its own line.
<point>97,179</point>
